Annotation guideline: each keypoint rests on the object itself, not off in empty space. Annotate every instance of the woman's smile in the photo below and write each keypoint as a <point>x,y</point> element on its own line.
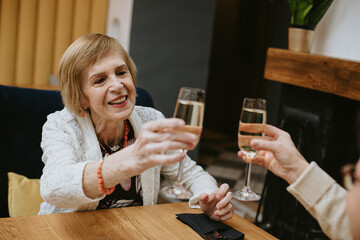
<point>119,102</point>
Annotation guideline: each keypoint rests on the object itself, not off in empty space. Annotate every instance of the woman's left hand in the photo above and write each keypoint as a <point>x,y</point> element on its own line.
<point>217,205</point>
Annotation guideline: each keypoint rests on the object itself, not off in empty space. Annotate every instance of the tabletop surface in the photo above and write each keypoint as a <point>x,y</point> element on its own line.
<point>144,222</point>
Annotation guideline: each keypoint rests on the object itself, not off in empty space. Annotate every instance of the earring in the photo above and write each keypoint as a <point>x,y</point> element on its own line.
<point>83,110</point>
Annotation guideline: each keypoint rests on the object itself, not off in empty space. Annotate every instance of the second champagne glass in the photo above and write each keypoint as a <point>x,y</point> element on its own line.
<point>252,125</point>
<point>190,108</point>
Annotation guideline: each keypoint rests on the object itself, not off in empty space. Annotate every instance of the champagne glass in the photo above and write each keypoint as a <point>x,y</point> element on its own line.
<point>252,125</point>
<point>189,107</point>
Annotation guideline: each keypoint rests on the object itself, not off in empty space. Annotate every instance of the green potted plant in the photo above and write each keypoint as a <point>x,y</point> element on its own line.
<point>305,15</point>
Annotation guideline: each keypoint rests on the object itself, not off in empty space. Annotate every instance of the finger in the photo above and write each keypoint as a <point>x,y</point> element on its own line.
<point>164,124</point>
<point>191,129</point>
<point>245,140</point>
<point>203,198</point>
<point>258,160</point>
<point>224,211</point>
<point>221,192</point>
<point>240,154</point>
<point>156,159</point>
<point>244,157</point>
<point>211,197</point>
<point>261,153</point>
<point>272,131</point>
<point>166,147</point>
<point>224,201</point>
<point>266,145</point>
<point>176,136</point>
<point>227,216</point>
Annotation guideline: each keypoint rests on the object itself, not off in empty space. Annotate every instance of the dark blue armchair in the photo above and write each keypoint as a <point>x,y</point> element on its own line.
<point>23,113</point>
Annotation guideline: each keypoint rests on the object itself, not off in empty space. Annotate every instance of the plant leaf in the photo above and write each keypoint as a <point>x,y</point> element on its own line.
<point>302,11</point>
<point>318,11</point>
<point>292,6</point>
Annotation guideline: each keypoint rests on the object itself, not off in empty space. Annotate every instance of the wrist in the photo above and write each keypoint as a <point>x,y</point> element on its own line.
<point>297,171</point>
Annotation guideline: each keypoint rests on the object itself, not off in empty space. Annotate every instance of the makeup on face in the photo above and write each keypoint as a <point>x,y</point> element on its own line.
<point>109,89</point>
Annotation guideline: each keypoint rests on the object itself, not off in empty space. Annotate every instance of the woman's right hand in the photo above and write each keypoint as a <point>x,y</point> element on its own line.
<point>279,155</point>
<point>155,138</point>
<point>158,137</point>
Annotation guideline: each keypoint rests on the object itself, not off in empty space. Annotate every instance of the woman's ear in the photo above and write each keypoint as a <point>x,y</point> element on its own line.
<point>84,105</point>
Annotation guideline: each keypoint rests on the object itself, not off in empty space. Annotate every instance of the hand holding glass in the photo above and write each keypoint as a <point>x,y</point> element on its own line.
<point>190,108</point>
<point>252,125</point>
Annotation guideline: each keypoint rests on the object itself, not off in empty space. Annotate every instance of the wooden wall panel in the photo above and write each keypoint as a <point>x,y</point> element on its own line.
<point>81,21</point>
<point>35,33</point>
<point>64,17</point>
<point>44,42</point>
<point>98,16</point>
<point>8,28</point>
<point>26,42</point>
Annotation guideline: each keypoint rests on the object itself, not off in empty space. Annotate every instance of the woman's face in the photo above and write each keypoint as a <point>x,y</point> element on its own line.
<point>353,204</point>
<point>108,88</point>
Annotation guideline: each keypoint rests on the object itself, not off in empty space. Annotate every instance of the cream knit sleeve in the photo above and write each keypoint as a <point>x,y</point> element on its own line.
<point>325,201</point>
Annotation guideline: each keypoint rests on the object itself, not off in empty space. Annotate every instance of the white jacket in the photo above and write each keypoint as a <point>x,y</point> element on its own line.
<point>69,142</point>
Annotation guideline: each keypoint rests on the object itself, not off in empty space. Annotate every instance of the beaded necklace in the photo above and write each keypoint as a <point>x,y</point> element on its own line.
<point>125,139</point>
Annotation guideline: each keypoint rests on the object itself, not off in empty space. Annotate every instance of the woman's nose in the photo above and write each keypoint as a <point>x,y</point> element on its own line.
<point>116,83</point>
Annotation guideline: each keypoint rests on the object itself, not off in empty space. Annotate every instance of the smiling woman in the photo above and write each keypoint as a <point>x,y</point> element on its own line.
<point>102,151</point>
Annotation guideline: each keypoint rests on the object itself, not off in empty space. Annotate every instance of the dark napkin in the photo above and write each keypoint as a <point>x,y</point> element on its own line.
<point>209,229</point>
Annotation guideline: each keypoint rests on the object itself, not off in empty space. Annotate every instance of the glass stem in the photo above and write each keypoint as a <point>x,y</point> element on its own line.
<point>181,165</point>
<point>247,175</point>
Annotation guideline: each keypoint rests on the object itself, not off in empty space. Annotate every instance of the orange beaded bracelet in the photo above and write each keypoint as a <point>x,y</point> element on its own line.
<point>101,180</point>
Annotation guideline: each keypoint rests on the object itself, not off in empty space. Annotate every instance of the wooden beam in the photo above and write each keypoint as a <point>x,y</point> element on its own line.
<point>327,74</point>
<point>98,14</point>
<point>62,38</point>
<point>81,18</point>
<point>44,41</point>
<point>8,36</point>
<point>25,42</point>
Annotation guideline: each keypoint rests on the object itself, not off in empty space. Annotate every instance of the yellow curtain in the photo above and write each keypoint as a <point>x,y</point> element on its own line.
<point>35,33</point>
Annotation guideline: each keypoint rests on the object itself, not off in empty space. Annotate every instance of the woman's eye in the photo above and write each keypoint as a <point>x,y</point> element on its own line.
<point>100,80</point>
<point>121,73</point>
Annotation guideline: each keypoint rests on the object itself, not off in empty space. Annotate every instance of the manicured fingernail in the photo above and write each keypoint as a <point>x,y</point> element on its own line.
<point>254,143</point>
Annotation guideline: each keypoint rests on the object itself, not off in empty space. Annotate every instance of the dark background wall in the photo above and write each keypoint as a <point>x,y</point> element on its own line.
<point>243,30</point>
<point>170,44</point>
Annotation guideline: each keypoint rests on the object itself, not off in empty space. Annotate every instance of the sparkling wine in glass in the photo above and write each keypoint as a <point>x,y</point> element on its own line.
<point>189,107</point>
<point>252,125</point>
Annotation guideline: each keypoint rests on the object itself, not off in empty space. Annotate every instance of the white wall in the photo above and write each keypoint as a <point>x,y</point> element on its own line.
<point>119,19</point>
<point>338,33</point>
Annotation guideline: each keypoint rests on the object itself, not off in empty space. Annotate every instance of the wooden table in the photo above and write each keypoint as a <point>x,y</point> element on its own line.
<point>145,222</point>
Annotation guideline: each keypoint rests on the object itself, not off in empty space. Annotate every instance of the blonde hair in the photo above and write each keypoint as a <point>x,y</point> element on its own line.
<point>84,52</point>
